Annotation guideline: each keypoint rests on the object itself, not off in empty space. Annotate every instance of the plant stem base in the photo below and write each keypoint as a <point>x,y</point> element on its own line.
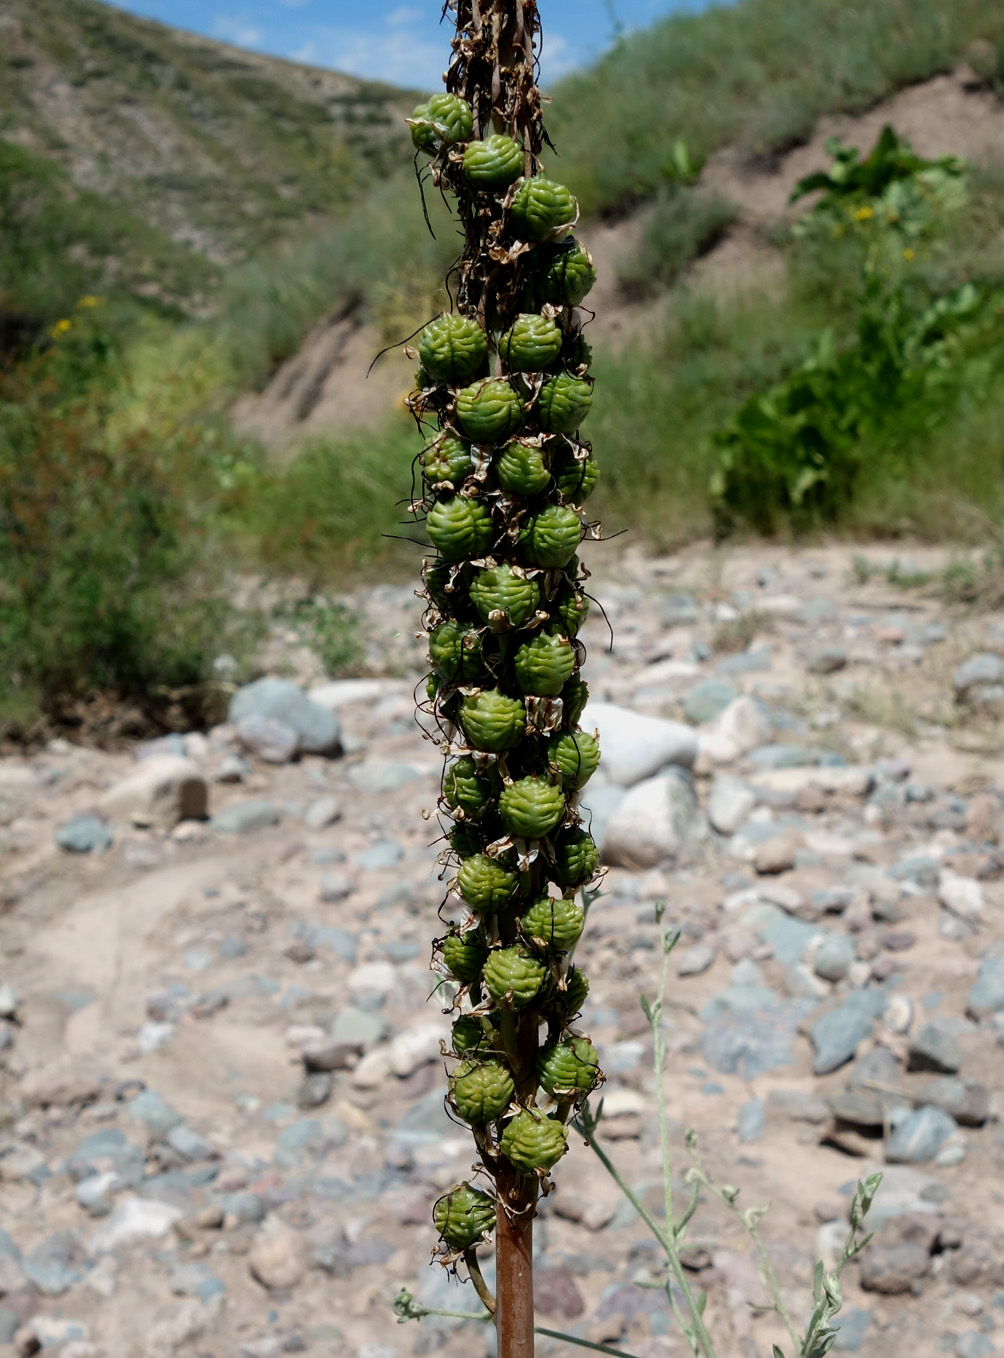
<point>514,1264</point>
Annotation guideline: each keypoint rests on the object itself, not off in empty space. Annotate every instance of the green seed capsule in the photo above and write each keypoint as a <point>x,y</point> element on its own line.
<point>558,924</point>
<point>481,1091</point>
<point>577,755</point>
<point>491,721</point>
<point>576,990</point>
<point>459,527</point>
<point>568,1069</point>
<point>577,354</point>
<point>576,477</point>
<point>464,1216</point>
<point>513,971</point>
<point>443,120</point>
<point>531,807</point>
<point>490,410</point>
<point>455,651</point>
<point>452,348</point>
<point>468,1034</point>
<point>465,789</point>
<point>521,470</point>
<point>438,578</point>
<point>485,884</point>
<point>465,954</point>
<point>464,841</point>
<point>504,597</point>
<point>532,345</point>
<point>563,404</point>
<point>551,537</point>
<point>493,163</point>
<point>532,1141</point>
<point>567,276</point>
<point>544,664</point>
<point>576,858</point>
<point>448,460</point>
<point>540,207</point>
<point>574,695</point>
<point>569,612</point>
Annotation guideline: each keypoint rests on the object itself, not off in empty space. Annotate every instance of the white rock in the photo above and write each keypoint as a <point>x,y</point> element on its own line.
<point>619,1103</point>
<point>134,1219</point>
<point>269,739</point>
<point>342,692</point>
<point>849,781</point>
<point>278,1256</point>
<point>729,804</point>
<point>322,813</point>
<point>897,1015</point>
<point>162,790</point>
<point>658,819</point>
<point>153,1035</point>
<point>416,1047</point>
<point>740,728</point>
<point>373,1070</point>
<point>635,746</point>
<point>963,896</point>
<point>371,984</point>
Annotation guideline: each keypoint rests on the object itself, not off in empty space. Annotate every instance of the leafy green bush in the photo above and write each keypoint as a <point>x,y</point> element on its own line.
<point>682,225</point>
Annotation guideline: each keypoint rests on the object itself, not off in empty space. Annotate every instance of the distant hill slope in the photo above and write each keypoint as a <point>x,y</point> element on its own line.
<point>196,151</point>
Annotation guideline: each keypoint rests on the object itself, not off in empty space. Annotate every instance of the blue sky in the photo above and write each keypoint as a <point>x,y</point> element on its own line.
<point>396,40</point>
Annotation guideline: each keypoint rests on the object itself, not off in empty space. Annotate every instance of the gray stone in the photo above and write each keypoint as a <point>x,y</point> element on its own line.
<point>837,1035</point>
<point>862,1112</point>
<point>693,961</point>
<point>380,857</point>
<point>635,746</point>
<point>359,1028</point>
<point>10,1002</point>
<point>834,957</point>
<point>919,1136</point>
<point>967,1101</point>
<point>188,1143</point>
<point>314,1090</point>
<point>279,1256</point>
<point>777,854</point>
<point>96,1193</point>
<point>815,610</point>
<point>678,610</point>
<point>799,1105</point>
<point>242,1207</point>
<point>878,1068</point>
<point>984,668</point>
<point>329,1054</point>
<point>987,696</point>
<point>232,768</point>
<point>322,813</point>
<point>827,660</point>
<point>10,1323</point>
<point>307,1138</point>
<point>852,1328</point>
<point>987,996</point>
<point>707,700</point>
<point>750,1122</point>
<point>54,1266</point>
<point>934,1048</point>
<point>106,1149</point>
<point>163,790</point>
<point>376,776</point>
<point>247,817</point>
<point>785,757</point>
<point>84,833</point>
<point>599,803</point>
<point>659,819</point>
<point>268,739</point>
<point>334,887</point>
<point>153,1110</point>
<point>752,1043</point>
<point>195,1280</point>
<point>894,1269</point>
<point>317,728</point>
<point>744,662</point>
<point>963,896</point>
<point>974,1344</point>
<point>729,804</point>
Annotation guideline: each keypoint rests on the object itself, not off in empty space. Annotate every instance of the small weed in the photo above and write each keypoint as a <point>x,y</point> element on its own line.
<point>861,570</point>
<point>737,633</point>
<point>878,704</point>
<point>331,630</point>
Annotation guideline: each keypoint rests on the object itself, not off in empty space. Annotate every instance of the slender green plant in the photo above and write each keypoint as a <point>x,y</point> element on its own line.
<point>501,392</point>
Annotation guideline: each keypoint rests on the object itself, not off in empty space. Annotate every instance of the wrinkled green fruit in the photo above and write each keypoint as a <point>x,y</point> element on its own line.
<point>576,858</point>
<point>558,924</point>
<point>459,527</point>
<point>532,345</point>
<point>449,461</point>
<point>443,120</point>
<point>568,1069</point>
<point>551,537</point>
<point>568,275</point>
<point>521,470</point>
<point>576,990</point>
<point>540,207</point>
<point>485,884</point>
<point>569,612</point>
<point>531,807</point>
<point>489,411</point>
<point>513,970</point>
<point>464,841</point>
<point>452,348</point>
<point>563,403</point>
<point>504,597</point>
<point>438,578</point>
<point>464,1216</point>
<point>455,651</point>
<point>465,954</point>
<point>491,721</point>
<point>481,1090</point>
<point>574,695</point>
<point>493,163</point>
<point>532,1141</point>
<point>576,477</point>
<point>577,755</point>
<point>465,789</point>
<point>468,1034</point>
<point>544,664</point>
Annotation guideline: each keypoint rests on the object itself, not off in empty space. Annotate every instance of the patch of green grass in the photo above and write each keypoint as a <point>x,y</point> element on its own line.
<point>330,630</point>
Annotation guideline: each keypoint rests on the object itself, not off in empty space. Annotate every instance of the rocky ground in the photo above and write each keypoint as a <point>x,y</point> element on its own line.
<point>222,1124</point>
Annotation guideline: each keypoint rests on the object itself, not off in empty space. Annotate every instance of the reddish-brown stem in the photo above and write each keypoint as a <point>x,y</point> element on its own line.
<point>514,1263</point>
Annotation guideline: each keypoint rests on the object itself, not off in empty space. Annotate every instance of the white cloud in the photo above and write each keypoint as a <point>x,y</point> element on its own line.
<point>399,56</point>
<point>237,29</point>
<point>404,14</point>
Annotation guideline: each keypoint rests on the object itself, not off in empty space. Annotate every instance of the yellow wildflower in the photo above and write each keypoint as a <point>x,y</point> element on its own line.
<point>88,302</point>
<point>864,214</point>
<point>60,328</point>
<point>908,254</point>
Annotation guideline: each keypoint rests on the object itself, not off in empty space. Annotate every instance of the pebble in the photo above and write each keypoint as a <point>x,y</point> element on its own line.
<point>967,1101</point>
<point>316,727</point>
<point>730,803</point>
<point>245,818</point>
<point>919,1136</point>
<point>894,1269</point>
<point>372,984</point>
<point>84,833</point>
<point>269,740</point>
<point>837,1035</point>
<point>133,1220</point>
<point>380,857</point>
<point>334,887</point>
<point>984,668</point>
<point>827,660</point>
<point>162,791</point>
<point>987,996</point>
<point>322,813</point>
<point>963,896</point>
<point>278,1257</point>
<point>933,1048</point>
<point>658,820</point>
<point>834,957</point>
<point>776,854</point>
<point>708,700</point>
<point>695,960</point>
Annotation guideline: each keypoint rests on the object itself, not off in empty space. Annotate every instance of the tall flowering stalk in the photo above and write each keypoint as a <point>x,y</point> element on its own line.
<point>501,393</point>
